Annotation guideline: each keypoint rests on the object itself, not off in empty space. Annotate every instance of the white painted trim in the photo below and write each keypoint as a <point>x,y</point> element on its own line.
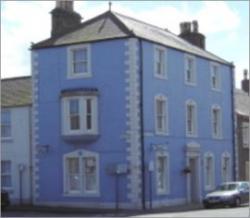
<point>211,186</point>
<point>70,74</point>
<point>132,99</point>
<point>195,121</point>
<point>82,113</point>
<point>193,154</point>
<point>194,76</point>
<point>218,77</point>
<point>165,131</point>
<point>35,126</point>
<point>220,134</point>
<point>162,153</point>
<point>164,64</point>
<point>80,154</point>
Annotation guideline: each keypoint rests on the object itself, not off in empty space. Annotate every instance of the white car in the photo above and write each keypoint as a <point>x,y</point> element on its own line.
<point>228,194</point>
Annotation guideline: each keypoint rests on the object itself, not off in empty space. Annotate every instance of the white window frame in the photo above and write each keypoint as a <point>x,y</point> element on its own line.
<point>164,131</point>
<point>80,154</point>
<point>10,124</point>
<point>191,102</point>
<point>245,134</point>
<point>82,112</point>
<point>71,74</point>
<point>209,187</point>
<point>228,176</point>
<point>167,173</point>
<point>163,75</point>
<point>7,174</point>
<point>217,77</point>
<point>193,72</point>
<point>219,135</point>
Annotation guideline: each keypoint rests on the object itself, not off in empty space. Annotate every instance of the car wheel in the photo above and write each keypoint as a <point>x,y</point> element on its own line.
<point>237,202</point>
<point>207,206</point>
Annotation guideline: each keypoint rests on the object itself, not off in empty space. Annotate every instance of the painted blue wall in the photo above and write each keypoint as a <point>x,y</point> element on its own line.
<point>108,77</point>
<point>177,92</point>
<point>108,69</point>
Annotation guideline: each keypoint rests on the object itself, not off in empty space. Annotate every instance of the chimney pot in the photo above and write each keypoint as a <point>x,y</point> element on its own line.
<point>195,26</point>
<point>245,82</point>
<point>185,27</point>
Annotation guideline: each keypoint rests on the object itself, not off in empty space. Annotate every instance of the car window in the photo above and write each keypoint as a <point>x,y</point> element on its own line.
<point>227,187</point>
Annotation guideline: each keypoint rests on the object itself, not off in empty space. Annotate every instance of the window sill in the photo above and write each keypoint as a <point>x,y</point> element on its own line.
<point>193,84</point>
<point>6,139</point>
<point>217,137</point>
<point>79,76</point>
<point>192,135</point>
<point>81,137</point>
<point>216,89</point>
<point>96,194</point>
<point>162,193</point>
<point>161,77</point>
<point>161,133</point>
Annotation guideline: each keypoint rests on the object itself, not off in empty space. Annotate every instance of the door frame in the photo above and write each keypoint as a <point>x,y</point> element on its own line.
<point>195,155</point>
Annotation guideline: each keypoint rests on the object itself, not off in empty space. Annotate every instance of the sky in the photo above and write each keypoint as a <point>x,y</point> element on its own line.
<point>224,23</point>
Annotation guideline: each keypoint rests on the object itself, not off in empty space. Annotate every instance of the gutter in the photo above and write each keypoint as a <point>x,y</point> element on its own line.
<point>142,126</point>
<point>234,125</point>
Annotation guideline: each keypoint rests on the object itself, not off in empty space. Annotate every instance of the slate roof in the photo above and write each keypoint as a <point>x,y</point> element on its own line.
<point>16,92</point>
<point>242,102</point>
<point>112,25</point>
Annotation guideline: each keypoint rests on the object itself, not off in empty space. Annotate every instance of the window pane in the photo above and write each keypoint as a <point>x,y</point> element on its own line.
<point>73,174</point>
<point>5,167</point>
<point>5,181</point>
<point>209,171</point>
<point>159,61</point>
<point>74,114</point>
<point>90,173</point>
<point>5,123</point>
<point>190,118</point>
<point>79,55</point>
<point>161,171</point>
<point>89,113</point>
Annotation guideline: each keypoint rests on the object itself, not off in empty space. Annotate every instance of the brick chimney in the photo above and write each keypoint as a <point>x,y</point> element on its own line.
<point>190,32</point>
<point>64,18</point>
<point>245,82</point>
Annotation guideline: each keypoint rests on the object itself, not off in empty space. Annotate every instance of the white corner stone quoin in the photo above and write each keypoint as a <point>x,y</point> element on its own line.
<point>133,121</point>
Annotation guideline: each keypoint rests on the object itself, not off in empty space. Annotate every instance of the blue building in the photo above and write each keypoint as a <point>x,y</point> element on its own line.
<point>128,115</point>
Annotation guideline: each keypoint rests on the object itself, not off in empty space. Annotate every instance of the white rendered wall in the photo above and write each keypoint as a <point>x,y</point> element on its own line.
<point>17,150</point>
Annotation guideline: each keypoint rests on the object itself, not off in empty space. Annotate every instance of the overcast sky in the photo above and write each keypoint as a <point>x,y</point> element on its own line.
<point>225,24</point>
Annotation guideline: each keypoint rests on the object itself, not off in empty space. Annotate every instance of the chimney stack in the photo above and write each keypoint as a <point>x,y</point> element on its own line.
<point>190,32</point>
<point>245,82</point>
<point>64,18</point>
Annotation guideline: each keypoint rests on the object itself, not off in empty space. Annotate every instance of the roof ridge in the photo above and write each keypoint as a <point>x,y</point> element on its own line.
<point>135,19</point>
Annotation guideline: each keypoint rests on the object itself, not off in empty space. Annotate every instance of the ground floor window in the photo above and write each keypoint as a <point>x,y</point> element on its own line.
<point>225,167</point>
<point>81,174</point>
<point>6,174</point>
<point>162,173</point>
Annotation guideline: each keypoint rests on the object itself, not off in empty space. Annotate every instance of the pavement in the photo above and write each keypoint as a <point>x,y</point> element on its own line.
<point>38,211</point>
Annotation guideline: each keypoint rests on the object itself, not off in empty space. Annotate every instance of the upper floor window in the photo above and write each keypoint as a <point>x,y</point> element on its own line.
<point>215,76</point>
<point>81,173</point>
<point>225,167</point>
<point>160,68</point>
<point>6,174</point>
<point>162,173</point>
<point>79,61</point>
<point>209,171</point>
<point>190,72</point>
<point>79,115</point>
<point>6,123</point>
<point>191,118</point>
<point>245,134</point>
<point>161,111</point>
<point>216,122</point>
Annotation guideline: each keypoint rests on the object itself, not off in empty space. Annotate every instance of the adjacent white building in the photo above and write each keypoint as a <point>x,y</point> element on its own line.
<point>16,153</point>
